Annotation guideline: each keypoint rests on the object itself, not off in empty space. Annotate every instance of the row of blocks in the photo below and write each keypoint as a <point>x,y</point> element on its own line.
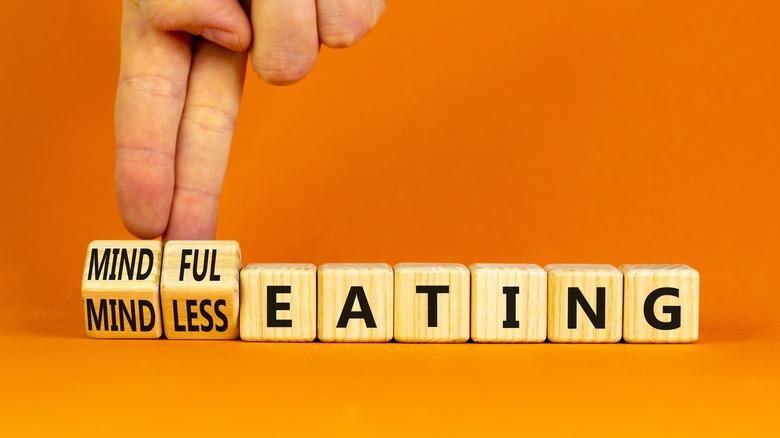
<point>199,290</point>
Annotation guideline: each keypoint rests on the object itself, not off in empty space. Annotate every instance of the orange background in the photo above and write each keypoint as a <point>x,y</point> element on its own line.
<point>512,131</point>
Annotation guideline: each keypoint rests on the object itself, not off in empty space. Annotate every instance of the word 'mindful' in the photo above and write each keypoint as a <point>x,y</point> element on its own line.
<point>198,290</point>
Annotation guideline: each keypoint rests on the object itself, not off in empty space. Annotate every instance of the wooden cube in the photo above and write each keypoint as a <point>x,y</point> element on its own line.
<point>355,302</point>
<point>661,303</point>
<point>279,302</point>
<point>431,302</point>
<point>508,303</point>
<point>120,289</point>
<point>585,303</point>
<point>199,289</point>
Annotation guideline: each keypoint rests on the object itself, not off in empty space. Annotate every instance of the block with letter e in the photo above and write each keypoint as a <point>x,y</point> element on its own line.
<point>355,302</point>
<point>661,303</point>
<point>199,289</point>
<point>584,303</point>
<point>431,302</point>
<point>279,302</point>
<point>120,289</point>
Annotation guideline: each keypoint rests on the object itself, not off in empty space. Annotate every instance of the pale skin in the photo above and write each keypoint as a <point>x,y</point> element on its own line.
<point>181,78</point>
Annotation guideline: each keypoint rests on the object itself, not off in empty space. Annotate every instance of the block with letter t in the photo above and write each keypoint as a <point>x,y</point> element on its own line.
<point>584,303</point>
<point>199,289</point>
<point>120,289</point>
<point>661,303</point>
<point>431,302</point>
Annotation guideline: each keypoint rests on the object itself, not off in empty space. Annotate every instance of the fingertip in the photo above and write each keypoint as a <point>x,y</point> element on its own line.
<point>144,199</point>
<point>193,215</point>
<point>343,24</point>
<point>340,40</point>
<point>226,38</point>
<point>223,22</point>
<point>282,69</point>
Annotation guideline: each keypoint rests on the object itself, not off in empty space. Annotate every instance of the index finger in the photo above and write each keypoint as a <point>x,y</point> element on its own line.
<point>150,97</point>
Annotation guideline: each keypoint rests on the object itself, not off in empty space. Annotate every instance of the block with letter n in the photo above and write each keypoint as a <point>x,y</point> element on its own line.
<point>585,303</point>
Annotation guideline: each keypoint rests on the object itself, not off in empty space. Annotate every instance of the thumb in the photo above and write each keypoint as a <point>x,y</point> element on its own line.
<point>223,22</point>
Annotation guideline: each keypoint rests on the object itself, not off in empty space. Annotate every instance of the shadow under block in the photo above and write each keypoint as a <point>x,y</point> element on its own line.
<point>120,289</point>
<point>585,303</point>
<point>199,289</point>
<point>661,303</point>
<point>431,302</point>
<point>355,302</point>
<point>508,303</point>
<point>279,302</point>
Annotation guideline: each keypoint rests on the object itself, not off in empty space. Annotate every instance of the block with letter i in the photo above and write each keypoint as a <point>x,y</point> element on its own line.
<point>585,303</point>
<point>279,302</point>
<point>355,302</point>
<point>199,289</point>
<point>431,302</point>
<point>661,303</point>
<point>508,303</point>
<point>120,289</point>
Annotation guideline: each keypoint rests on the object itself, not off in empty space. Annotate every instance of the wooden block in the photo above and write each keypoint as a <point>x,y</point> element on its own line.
<point>120,289</point>
<point>661,303</point>
<point>199,289</point>
<point>355,302</point>
<point>508,303</point>
<point>585,303</point>
<point>279,302</point>
<point>431,302</point>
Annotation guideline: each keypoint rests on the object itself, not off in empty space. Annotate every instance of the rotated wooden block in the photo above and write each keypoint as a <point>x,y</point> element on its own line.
<point>120,289</point>
<point>661,303</point>
<point>585,303</point>
<point>279,302</point>
<point>199,289</point>
<point>508,303</point>
<point>355,302</point>
<point>431,302</point>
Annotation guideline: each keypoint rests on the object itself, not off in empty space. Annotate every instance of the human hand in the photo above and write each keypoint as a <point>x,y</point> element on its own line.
<point>180,84</point>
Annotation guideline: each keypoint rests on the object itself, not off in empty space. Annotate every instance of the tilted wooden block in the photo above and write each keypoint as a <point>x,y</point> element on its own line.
<point>661,303</point>
<point>431,302</point>
<point>585,303</point>
<point>279,302</point>
<point>508,303</point>
<point>355,302</point>
<point>120,289</point>
<point>199,289</point>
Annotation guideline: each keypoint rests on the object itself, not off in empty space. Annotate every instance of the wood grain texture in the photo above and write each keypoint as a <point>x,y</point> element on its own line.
<point>412,322</point>
<point>116,279</point>
<point>639,282</point>
<point>196,307</point>
<point>335,280</point>
<point>301,278</point>
<point>489,304</point>
<point>588,278</point>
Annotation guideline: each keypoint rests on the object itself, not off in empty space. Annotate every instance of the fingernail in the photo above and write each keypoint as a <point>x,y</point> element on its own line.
<point>222,37</point>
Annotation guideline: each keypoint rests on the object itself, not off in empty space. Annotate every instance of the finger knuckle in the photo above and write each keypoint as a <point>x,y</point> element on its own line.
<point>210,118</point>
